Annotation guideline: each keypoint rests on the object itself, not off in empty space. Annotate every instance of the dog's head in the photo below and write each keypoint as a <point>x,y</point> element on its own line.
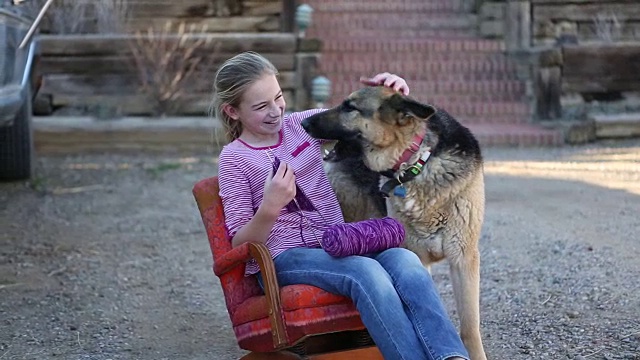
<point>378,120</point>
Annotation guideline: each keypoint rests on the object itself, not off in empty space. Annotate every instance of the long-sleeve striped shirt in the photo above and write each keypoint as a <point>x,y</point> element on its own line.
<point>243,170</point>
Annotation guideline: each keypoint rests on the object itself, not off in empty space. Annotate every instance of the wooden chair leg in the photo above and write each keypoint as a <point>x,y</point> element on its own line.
<point>280,355</point>
<point>367,353</point>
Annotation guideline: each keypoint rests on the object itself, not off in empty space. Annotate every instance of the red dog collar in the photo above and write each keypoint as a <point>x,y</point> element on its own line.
<point>411,150</point>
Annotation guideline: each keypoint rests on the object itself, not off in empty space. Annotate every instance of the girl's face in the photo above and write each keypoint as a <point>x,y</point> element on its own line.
<point>260,111</point>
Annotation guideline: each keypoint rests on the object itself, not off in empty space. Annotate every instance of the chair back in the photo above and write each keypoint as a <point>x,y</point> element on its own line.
<point>235,286</point>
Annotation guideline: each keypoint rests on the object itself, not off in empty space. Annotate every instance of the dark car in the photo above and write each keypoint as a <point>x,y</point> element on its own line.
<point>16,64</point>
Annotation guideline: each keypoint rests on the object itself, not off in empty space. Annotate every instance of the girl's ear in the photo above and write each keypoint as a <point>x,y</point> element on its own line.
<point>231,111</point>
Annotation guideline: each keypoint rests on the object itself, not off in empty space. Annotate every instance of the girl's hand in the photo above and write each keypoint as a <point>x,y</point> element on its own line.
<point>279,189</point>
<point>389,80</point>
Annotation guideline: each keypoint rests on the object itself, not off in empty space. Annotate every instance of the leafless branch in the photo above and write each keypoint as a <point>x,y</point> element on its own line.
<point>170,63</point>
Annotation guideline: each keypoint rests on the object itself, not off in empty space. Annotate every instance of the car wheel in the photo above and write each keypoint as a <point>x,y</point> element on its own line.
<point>16,145</point>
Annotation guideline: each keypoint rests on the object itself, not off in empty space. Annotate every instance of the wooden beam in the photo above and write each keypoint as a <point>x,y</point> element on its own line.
<point>182,8</point>
<point>518,26</point>
<point>126,83</point>
<point>306,70</point>
<point>601,68</point>
<point>548,92</point>
<point>101,44</point>
<point>265,23</point>
<point>259,8</point>
<point>287,17</point>
<point>191,8</point>
<point>628,32</point>
<point>536,2</point>
<point>140,104</point>
<point>94,65</point>
<point>585,11</point>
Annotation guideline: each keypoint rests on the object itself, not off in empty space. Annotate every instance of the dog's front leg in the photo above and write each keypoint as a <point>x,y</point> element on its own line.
<point>465,277</point>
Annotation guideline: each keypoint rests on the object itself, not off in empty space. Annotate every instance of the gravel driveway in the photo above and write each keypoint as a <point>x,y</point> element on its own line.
<point>105,257</point>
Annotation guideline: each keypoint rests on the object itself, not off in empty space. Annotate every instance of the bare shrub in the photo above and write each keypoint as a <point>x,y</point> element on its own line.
<point>608,27</point>
<point>111,16</point>
<point>169,64</point>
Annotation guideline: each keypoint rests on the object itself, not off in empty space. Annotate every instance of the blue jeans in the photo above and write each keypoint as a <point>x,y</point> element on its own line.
<point>394,293</point>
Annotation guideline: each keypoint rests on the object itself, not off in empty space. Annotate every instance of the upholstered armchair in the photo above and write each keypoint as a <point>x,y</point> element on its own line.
<point>292,322</point>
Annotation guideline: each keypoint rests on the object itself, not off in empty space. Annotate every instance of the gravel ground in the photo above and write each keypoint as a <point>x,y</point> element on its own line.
<point>104,256</point>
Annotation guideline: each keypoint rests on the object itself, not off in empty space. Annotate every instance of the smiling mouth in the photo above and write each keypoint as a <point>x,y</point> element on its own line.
<point>272,122</point>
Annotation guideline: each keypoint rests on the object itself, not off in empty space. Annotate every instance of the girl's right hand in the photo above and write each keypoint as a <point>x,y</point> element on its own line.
<point>279,189</point>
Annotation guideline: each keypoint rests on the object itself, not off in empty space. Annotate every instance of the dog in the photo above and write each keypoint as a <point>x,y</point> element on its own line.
<point>429,171</point>
<point>356,186</point>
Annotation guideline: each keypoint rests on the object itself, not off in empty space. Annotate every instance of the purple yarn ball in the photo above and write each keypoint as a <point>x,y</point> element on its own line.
<point>362,237</point>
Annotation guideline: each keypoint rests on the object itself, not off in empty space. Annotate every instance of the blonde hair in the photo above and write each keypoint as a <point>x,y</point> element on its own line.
<point>231,81</point>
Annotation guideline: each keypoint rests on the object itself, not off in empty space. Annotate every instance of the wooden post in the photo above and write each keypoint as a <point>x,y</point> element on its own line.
<point>288,16</point>
<point>472,5</point>
<point>548,84</point>
<point>306,70</point>
<point>517,24</point>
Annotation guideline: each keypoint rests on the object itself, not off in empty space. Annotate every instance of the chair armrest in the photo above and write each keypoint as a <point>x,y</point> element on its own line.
<point>259,251</point>
<point>272,290</point>
<point>234,257</point>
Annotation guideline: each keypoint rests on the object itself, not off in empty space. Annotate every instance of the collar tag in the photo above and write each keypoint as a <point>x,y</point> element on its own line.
<point>425,156</point>
<point>400,191</point>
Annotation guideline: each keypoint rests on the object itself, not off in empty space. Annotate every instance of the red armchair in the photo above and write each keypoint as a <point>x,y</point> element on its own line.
<point>291,322</point>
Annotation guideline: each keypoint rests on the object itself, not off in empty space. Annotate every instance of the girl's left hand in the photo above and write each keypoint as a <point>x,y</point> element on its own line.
<point>389,80</point>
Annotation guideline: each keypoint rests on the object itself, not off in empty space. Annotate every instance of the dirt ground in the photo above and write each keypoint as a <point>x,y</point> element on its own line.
<point>104,256</point>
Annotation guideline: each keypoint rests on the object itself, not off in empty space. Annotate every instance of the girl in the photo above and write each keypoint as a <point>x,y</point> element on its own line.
<point>274,190</point>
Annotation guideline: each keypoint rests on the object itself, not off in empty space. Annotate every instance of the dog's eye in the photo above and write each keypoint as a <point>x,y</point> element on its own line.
<point>346,106</point>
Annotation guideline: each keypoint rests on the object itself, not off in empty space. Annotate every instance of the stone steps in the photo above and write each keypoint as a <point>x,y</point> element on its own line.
<point>333,6</point>
<point>432,44</point>
<point>450,67</point>
<point>394,24</point>
<point>616,125</point>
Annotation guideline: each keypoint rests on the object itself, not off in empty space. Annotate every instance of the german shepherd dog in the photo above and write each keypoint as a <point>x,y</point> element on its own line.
<point>427,168</point>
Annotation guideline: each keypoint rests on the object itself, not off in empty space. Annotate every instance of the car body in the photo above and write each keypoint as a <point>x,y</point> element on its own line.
<point>16,65</point>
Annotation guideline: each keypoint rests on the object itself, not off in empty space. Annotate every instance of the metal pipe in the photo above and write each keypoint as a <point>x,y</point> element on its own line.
<point>35,24</point>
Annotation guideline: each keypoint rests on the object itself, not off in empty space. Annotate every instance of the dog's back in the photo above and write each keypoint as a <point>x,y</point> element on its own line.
<point>444,206</point>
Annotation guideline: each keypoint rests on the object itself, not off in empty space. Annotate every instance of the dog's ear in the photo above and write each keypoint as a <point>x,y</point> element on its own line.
<point>409,108</point>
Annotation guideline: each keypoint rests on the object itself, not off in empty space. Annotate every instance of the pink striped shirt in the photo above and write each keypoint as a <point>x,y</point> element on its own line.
<point>243,170</point>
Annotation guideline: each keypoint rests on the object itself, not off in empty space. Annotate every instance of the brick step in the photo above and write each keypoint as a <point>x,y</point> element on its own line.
<point>467,120</point>
<point>415,60</point>
<point>422,45</point>
<point>394,34</point>
<point>346,86</point>
<point>439,98</point>
<point>385,6</point>
<point>394,20</point>
<point>468,110</point>
<point>345,71</point>
<point>523,135</point>
<point>420,68</point>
